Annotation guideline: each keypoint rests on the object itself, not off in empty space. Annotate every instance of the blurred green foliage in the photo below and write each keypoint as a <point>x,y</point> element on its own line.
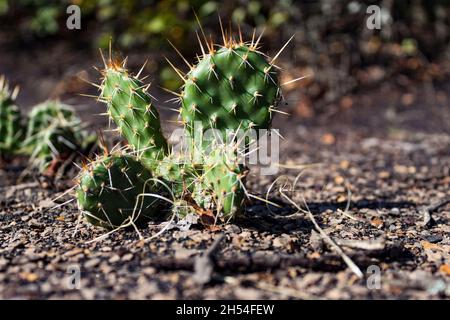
<point>141,22</point>
<point>331,41</point>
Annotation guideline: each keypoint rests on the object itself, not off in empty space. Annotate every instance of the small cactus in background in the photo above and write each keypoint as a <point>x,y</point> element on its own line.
<point>56,142</point>
<point>43,115</point>
<point>11,131</point>
<point>130,107</point>
<point>54,133</point>
<point>109,192</point>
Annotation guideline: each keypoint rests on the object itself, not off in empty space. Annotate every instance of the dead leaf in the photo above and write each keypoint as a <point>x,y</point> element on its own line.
<point>328,139</point>
<point>346,102</point>
<point>73,252</point>
<point>314,255</point>
<point>28,276</point>
<point>140,244</point>
<point>430,246</point>
<point>384,174</point>
<point>339,180</point>
<point>407,99</point>
<point>445,269</point>
<point>304,108</point>
<point>344,164</point>
<point>377,222</point>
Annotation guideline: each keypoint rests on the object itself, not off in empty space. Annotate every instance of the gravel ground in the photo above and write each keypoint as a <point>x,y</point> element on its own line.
<point>395,171</point>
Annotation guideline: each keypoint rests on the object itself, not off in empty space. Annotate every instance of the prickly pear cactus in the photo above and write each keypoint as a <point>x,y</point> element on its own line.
<point>56,142</point>
<point>109,189</point>
<point>11,130</point>
<point>130,107</point>
<point>231,88</point>
<point>45,115</point>
<point>54,133</point>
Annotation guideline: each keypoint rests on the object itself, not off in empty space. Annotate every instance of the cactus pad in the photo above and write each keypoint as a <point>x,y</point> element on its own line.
<point>222,185</point>
<point>229,89</point>
<point>131,108</point>
<point>109,188</point>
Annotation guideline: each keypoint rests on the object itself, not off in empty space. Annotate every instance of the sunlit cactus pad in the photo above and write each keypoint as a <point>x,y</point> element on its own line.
<point>130,107</point>
<point>230,88</point>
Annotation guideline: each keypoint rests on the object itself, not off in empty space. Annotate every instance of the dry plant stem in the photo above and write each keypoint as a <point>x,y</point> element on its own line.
<point>286,291</point>
<point>19,187</point>
<point>204,264</point>
<point>347,207</point>
<point>355,269</point>
<point>251,262</point>
<point>25,173</point>
<point>282,291</point>
<point>428,210</point>
<point>62,169</point>
<point>370,245</point>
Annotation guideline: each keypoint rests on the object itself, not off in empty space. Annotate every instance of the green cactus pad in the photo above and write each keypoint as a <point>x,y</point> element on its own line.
<point>222,187</point>
<point>11,130</point>
<point>131,109</point>
<point>231,88</point>
<point>179,174</point>
<point>109,188</point>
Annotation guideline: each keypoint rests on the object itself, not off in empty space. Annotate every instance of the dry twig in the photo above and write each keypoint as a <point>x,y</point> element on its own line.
<point>204,264</point>
<point>426,211</point>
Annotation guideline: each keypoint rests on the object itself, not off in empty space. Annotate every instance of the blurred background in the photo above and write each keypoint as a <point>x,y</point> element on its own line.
<point>398,73</point>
